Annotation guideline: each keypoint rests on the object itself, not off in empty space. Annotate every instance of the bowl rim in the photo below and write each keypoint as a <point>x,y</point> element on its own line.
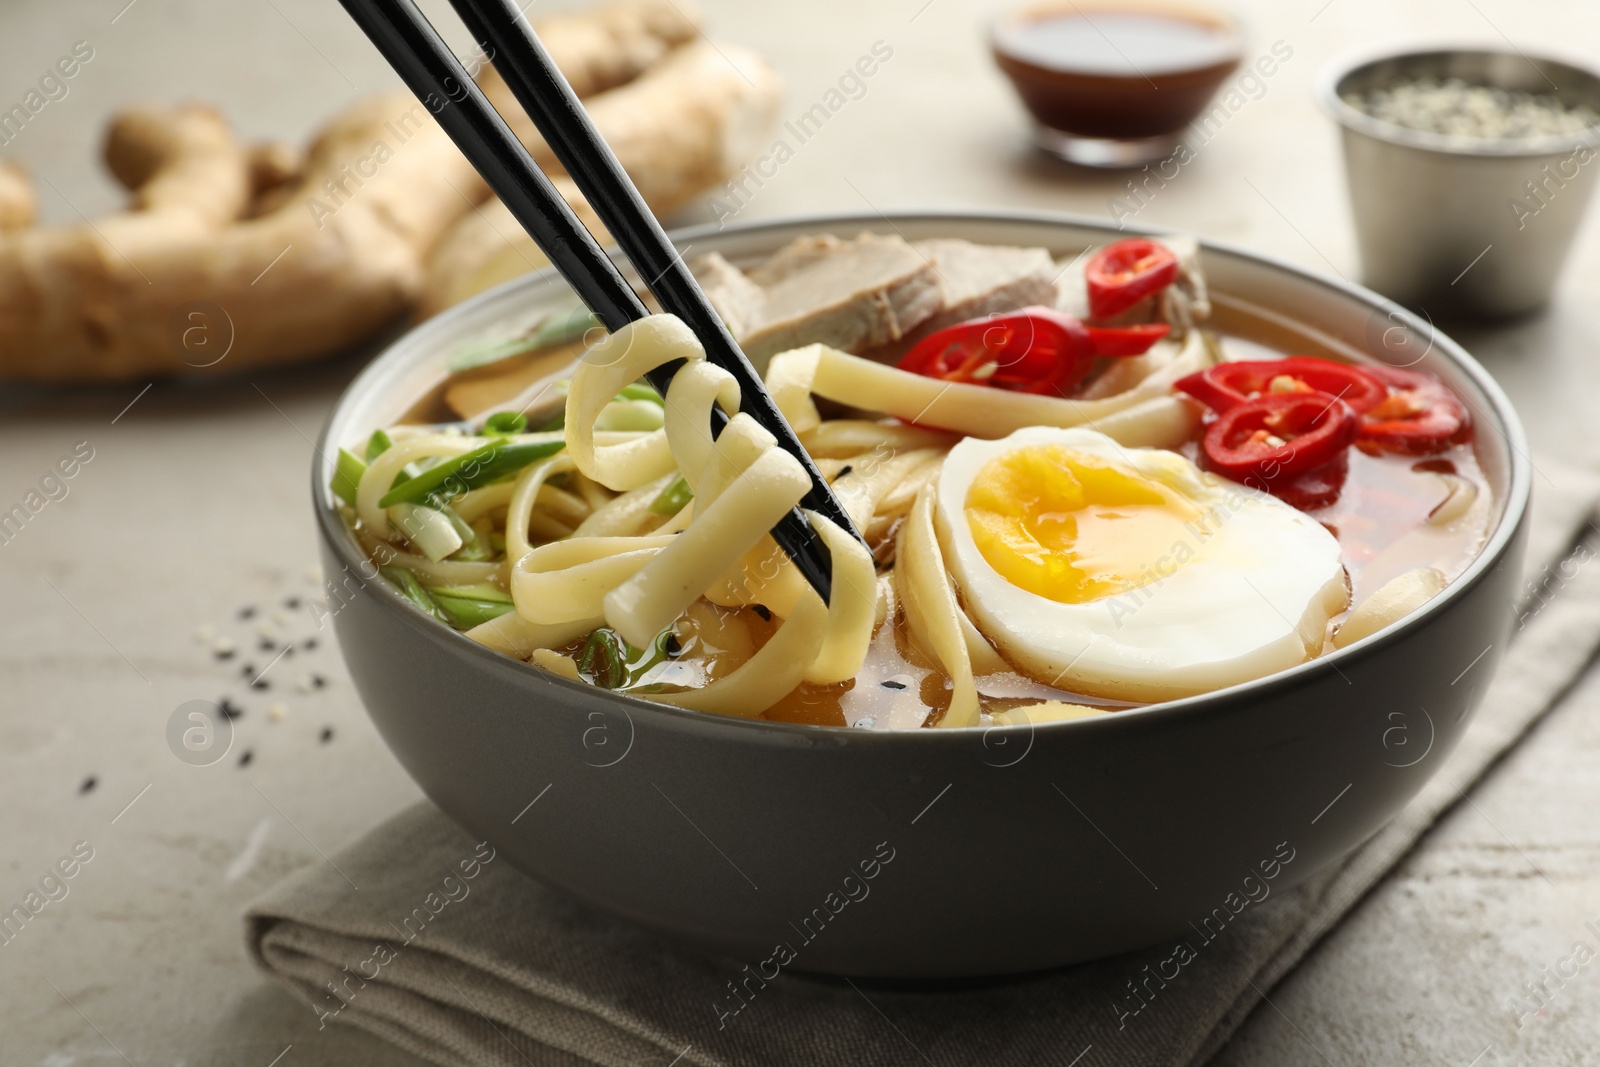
<point>1325,88</point>
<point>338,538</point>
<point>1226,20</point>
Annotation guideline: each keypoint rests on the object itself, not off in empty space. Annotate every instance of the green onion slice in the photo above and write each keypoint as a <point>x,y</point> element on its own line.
<point>505,424</point>
<point>485,464</point>
<point>414,591</point>
<point>466,612</point>
<point>347,474</point>
<point>377,445</point>
<point>673,498</point>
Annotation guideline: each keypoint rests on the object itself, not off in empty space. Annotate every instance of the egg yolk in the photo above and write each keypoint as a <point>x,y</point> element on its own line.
<point>1074,528</point>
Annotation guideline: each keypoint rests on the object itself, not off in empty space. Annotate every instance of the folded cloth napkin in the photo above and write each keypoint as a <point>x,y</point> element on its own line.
<point>522,975</point>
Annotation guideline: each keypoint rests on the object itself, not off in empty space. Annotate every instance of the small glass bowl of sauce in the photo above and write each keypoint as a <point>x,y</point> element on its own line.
<point>1114,83</point>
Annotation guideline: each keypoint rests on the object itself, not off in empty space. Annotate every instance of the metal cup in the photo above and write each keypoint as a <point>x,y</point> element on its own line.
<point>1457,227</point>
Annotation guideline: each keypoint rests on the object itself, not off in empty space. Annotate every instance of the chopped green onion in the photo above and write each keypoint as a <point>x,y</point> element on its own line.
<point>504,424</point>
<point>554,329</point>
<point>476,591</point>
<point>641,391</point>
<point>611,663</point>
<point>673,498</point>
<point>347,474</point>
<point>604,659</point>
<point>483,354</point>
<point>559,329</point>
<point>485,464</point>
<point>429,529</point>
<point>463,529</point>
<point>631,415</point>
<point>659,651</point>
<point>377,445</point>
<point>467,612</point>
<point>413,591</point>
<point>479,547</point>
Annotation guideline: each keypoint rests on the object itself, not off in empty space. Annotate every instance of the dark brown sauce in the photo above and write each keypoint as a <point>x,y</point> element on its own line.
<point>1122,73</point>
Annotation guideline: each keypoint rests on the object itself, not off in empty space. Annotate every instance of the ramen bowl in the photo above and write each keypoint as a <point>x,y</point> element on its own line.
<point>942,852</point>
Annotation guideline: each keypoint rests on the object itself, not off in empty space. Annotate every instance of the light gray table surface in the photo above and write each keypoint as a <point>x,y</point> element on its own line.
<point>195,505</point>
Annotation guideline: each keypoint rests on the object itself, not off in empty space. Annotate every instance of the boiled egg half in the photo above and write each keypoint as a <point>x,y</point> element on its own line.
<point>1129,573</point>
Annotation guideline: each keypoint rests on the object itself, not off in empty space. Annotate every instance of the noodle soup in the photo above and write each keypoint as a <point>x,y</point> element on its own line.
<point>1081,488</point>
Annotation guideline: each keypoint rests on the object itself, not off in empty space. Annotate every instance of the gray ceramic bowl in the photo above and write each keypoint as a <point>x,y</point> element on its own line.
<point>990,851</point>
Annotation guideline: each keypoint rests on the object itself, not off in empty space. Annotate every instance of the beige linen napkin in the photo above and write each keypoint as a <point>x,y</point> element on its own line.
<point>449,953</point>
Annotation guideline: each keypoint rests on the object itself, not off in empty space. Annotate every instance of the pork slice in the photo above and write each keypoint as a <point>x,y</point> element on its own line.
<point>735,298</point>
<point>980,280</point>
<point>852,295</point>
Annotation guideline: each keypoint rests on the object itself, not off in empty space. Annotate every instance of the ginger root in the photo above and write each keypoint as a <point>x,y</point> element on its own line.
<point>604,47</point>
<point>182,280</point>
<point>18,203</point>
<point>231,256</point>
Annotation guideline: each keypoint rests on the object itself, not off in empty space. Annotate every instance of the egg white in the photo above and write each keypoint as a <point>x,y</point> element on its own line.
<point>1258,586</point>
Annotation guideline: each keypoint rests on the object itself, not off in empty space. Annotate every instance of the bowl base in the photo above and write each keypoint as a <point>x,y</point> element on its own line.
<point>1107,153</point>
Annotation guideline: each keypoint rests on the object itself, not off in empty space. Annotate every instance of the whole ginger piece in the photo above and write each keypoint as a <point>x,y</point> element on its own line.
<point>231,257</point>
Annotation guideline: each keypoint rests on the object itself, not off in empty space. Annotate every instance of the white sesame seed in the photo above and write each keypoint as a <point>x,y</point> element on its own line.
<point>1455,108</point>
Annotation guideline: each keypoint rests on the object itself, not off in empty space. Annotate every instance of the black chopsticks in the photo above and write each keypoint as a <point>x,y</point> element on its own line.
<point>413,48</point>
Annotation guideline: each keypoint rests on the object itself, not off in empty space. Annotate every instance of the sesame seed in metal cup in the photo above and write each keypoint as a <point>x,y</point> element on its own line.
<point>1469,170</point>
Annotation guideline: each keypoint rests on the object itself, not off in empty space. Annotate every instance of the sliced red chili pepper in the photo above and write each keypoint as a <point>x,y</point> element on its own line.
<point>1278,435</point>
<point>1035,350</point>
<point>1419,414</point>
<point>1126,340</point>
<point>1124,273</point>
<point>1224,385</point>
<point>1318,487</point>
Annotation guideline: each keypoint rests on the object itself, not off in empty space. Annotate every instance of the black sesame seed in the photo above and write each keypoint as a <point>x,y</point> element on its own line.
<point>292,603</point>
<point>224,653</point>
<point>326,735</point>
<point>247,612</point>
<point>317,681</point>
<point>229,709</point>
<point>761,609</point>
<point>260,683</point>
<point>88,785</point>
<point>890,683</point>
<point>846,469</point>
<point>245,757</point>
<point>267,644</point>
<point>288,650</point>
<point>248,670</point>
<point>309,644</point>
